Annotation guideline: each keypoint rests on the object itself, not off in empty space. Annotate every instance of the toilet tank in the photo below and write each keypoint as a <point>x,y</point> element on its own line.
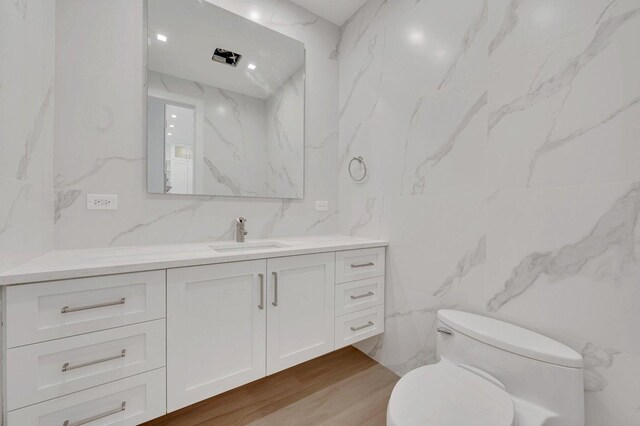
<point>532,367</point>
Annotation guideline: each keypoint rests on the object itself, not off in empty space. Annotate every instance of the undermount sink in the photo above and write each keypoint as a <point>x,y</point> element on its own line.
<point>247,246</point>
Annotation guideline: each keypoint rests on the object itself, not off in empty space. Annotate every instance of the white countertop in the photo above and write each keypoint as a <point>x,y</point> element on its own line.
<point>64,264</point>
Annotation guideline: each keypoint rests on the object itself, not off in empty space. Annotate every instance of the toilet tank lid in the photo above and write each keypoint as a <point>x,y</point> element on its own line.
<point>511,338</point>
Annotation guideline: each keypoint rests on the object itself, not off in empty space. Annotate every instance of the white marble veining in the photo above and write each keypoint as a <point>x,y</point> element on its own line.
<point>100,134</point>
<point>27,109</point>
<point>26,222</point>
<point>250,146</point>
<point>611,386</point>
<point>544,114</point>
<point>233,144</point>
<point>501,139</point>
<point>63,264</point>
<point>564,259</point>
<point>521,26</point>
<point>285,125</point>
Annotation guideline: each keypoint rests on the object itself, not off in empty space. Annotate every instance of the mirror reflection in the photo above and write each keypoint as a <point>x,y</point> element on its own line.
<point>225,107</point>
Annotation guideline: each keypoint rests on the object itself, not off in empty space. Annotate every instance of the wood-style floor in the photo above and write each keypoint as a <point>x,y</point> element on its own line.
<point>341,388</point>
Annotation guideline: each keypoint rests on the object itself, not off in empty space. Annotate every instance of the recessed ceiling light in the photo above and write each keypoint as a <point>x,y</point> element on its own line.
<point>161,37</point>
<point>172,126</point>
<point>169,134</point>
<point>174,116</point>
<point>255,15</point>
<point>251,67</point>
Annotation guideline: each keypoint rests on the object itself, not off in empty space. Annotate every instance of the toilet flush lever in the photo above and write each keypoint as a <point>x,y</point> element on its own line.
<point>445,330</point>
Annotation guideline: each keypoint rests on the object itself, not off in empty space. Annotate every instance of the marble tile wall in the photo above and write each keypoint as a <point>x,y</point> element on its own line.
<point>285,128</point>
<point>501,139</point>
<point>502,143</point>
<point>233,146</point>
<point>27,97</point>
<point>100,145</point>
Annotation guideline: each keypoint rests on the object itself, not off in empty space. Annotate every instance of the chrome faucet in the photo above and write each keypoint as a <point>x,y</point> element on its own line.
<point>240,231</point>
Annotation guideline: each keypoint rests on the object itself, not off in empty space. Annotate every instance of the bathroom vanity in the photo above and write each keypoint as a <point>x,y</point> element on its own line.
<point>129,334</point>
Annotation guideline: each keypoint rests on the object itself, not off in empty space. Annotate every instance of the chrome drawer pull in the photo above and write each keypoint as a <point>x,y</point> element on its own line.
<point>362,295</point>
<point>97,417</point>
<point>362,326</point>
<point>261,305</point>
<point>363,265</point>
<point>275,289</point>
<point>68,367</point>
<point>67,309</point>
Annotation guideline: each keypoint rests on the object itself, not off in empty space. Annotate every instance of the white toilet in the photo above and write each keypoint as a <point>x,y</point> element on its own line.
<point>491,373</point>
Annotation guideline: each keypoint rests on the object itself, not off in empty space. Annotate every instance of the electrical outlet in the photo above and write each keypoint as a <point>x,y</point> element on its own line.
<point>322,206</point>
<point>102,202</point>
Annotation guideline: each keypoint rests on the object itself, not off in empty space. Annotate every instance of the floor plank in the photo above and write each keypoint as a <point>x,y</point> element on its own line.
<point>344,387</point>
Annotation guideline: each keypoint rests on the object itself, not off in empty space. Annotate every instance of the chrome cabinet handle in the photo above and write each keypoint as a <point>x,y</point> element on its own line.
<point>446,331</point>
<point>362,295</point>
<point>363,265</point>
<point>67,309</point>
<point>68,367</point>
<point>369,324</point>
<point>261,305</point>
<point>275,289</point>
<point>123,407</point>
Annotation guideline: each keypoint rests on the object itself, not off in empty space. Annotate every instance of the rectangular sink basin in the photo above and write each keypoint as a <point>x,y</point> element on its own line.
<point>247,246</point>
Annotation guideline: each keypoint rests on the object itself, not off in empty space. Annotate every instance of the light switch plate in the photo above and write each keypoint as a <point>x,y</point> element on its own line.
<point>322,206</point>
<point>102,202</point>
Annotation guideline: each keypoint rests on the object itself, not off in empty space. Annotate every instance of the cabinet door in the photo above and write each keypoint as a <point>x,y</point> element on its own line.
<point>299,309</point>
<point>215,329</point>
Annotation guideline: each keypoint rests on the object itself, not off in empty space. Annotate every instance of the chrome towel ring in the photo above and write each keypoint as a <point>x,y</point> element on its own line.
<point>363,166</point>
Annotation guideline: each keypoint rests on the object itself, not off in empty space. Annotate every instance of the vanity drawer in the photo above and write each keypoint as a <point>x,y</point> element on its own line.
<point>352,328</point>
<point>51,310</point>
<point>128,401</point>
<point>354,265</point>
<point>358,295</point>
<point>48,370</point>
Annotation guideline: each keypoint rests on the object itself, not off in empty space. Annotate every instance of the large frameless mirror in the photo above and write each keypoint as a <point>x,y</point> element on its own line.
<point>225,104</point>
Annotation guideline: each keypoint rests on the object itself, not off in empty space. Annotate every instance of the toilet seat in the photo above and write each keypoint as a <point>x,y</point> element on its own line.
<point>444,394</point>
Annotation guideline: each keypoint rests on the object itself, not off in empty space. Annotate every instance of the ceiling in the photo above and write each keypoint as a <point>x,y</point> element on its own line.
<point>194,30</point>
<point>336,11</point>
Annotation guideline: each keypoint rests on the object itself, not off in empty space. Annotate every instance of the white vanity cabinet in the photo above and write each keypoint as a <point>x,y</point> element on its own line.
<point>127,346</point>
<point>359,296</point>
<point>232,323</point>
<point>85,350</point>
<point>300,309</point>
<point>216,329</point>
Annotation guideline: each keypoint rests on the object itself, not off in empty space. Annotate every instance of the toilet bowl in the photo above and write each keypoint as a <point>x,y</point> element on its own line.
<point>491,373</point>
<point>443,394</point>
